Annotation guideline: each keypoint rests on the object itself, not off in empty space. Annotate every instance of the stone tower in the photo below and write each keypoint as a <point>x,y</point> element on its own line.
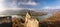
<point>30,22</point>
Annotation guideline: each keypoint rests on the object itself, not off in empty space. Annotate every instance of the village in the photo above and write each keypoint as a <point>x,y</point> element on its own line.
<point>29,13</point>
<point>28,21</point>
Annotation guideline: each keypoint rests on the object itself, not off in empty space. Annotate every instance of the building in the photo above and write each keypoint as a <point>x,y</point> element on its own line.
<point>5,21</point>
<point>30,21</point>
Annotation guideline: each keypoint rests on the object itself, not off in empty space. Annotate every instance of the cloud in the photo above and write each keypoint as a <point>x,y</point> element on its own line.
<point>28,3</point>
<point>20,4</point>
<point>1,4</point>
<point>51,7</point>
<point>32,3</point>
<point>11,4</point>
<point>2,7</point>
<point>1,0</point>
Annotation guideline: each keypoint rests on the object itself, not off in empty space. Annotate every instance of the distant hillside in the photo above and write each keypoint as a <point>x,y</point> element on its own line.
<point>55,17</point>
<point>23,12</point>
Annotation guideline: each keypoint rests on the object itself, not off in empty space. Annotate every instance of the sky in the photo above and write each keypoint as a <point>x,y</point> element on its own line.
<point>35,4</point>
<point>29,4</point>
